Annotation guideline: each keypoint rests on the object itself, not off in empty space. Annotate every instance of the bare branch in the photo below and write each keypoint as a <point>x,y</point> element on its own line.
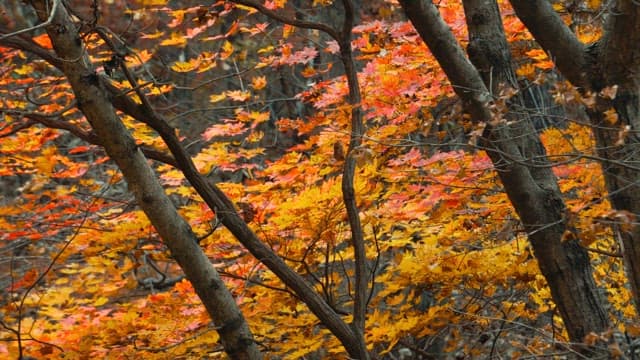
<point>294,22</point>
<point>54,10</point>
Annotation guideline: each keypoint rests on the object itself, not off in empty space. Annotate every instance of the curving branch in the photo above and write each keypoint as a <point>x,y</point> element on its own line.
<point>343,38</point>
<point>88,136</point>
<point>289,21</point>
<point>28,45</point>
<point>228,215</point>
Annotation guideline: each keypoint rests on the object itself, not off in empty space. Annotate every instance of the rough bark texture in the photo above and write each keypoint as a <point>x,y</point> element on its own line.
<point>518,155</point>
<point>176,233</point>
<point>229,217</point>
<point>612,61</point>
<point>619,62</point>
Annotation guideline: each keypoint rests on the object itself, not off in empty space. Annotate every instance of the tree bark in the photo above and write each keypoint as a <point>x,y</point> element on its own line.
<point>218,201</point>
<point>619,64</point>
<point>517,154</point>
<point>95,104</point>
<point>613,61</point>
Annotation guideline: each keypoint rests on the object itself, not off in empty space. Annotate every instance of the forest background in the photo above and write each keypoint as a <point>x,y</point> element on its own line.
<point>319,179</point>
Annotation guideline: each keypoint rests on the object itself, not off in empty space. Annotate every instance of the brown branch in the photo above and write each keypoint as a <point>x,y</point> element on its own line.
<point>289,21</point>
<point>348,176</point>
<point>229,217</point>
<point>358,348</point>
<point>17,128</point>
<point>464,77</point>
<point>556,38</point>
<point>91,137</point>
<point>27,44</point>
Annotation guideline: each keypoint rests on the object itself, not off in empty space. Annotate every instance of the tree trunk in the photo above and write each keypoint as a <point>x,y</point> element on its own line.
<point>176,233</point>
<point>517,154</point>
<point>612,61</point>
<point>619,63</point>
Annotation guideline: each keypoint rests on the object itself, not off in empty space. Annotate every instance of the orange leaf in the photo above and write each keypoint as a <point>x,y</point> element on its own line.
<point>259,82</point>
<point>43,40</point>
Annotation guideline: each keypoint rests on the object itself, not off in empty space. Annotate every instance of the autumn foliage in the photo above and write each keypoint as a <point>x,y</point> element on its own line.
<point>263,109</point>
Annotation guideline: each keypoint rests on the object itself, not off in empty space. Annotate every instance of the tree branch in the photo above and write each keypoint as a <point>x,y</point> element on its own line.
<point>54,9</point>
<point>355,348</point>
<point>466,81</point>
<point>229,217</point>
<point>289,21</point>
<point>556,38</point>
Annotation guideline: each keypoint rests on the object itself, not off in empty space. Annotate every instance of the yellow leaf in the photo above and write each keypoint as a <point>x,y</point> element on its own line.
<point>238,95</point>
<point>526,70</point>
<point>154,35</point>
<point>47,162</point>
<point>175,40</point>
<point>183,66</point>
<point>178,17</point>
<point>100,301</point>
<point>267,49</point>
<point>24,70</point>
<point>227,50</point>
<point>287,30</point>
<point>153,2</point>
<point>215,98</point>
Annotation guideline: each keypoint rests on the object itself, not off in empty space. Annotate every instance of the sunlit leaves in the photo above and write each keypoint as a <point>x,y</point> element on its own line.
<point>259,82</point>
<point>175,40</point>
<point>304,56</point>
<point>228,128</point>
<point>446,252</point>
<point>227,50</point>
<point>202,63</point>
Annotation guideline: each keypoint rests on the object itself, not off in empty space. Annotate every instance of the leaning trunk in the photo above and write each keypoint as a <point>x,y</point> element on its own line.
<point>518,155</point>
<point>609,64</point>
<point>176,233</point>
<point>525,171</point>
<point>617,140</point>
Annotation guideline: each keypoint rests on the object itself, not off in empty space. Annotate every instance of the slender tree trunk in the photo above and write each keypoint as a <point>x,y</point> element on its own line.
<point>176,233</point>
<point>517,154</point>
<point>611,63</point>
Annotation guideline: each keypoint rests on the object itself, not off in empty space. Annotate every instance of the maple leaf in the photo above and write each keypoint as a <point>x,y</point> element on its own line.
<point>229,128</point>
<point>259,82</point>
<point>238,95</point>
<point>227,50</point>
<point>178,17</point>
<point>304,56</point>
<point>181,66</point>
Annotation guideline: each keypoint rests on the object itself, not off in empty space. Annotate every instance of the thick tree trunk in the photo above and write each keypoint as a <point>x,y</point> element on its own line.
<point>619,143</point>
<point>612,61</point>
<point>176,233</point>
<point>518,156</point>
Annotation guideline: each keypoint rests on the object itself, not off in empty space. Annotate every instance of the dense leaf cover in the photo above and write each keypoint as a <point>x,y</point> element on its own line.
<point>85,275</point>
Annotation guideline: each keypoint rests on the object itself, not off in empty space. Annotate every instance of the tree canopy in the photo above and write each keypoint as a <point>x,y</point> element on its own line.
<point>319,179</point>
